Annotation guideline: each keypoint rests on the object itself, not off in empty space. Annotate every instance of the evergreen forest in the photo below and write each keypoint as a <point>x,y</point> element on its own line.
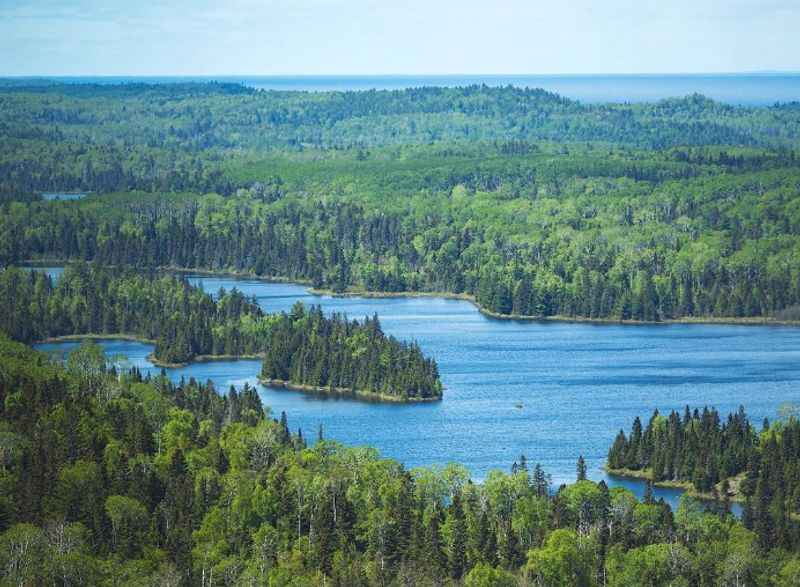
<point>304,347</point>
<point>526,203</point>
<point>111,478</point>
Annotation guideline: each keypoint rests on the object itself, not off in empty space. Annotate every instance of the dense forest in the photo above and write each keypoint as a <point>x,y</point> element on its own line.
<point>193,117</point>
<point>303,347</point>
<point>528,203</point>
<point>309,349</point>
<point>713,454</point>
<point>531,204</point>
<point>109,478</point>
<point>699,447</point>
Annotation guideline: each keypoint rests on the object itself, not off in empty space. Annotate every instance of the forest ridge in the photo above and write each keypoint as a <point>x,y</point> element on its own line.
<point>529,203</point>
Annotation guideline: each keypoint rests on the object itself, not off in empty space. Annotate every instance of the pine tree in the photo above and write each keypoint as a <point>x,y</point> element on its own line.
<point>434,547</point>
<point>508,547</point>
<point>523,463</point>
<point>285,434</point>
<point>686,306</point>
<point>648,492</point>
<point>487,539</point>
<point>541,481</point>
<point>581,469</point>
<point>617,452</point>
<point>521,298</point>
<point>458,553</point>
<point>634,453</point>
<point>648,298</point>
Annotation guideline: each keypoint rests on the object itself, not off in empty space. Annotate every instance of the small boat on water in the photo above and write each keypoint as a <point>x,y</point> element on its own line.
<point>519,405</point>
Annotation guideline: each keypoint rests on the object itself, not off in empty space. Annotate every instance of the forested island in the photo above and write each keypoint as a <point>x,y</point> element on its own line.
<point>526,202</point>
<point>303,349</point>
<point>109,478</point>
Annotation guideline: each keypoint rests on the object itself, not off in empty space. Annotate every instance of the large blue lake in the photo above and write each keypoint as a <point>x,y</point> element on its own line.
<point>578,383</point>
<point>745,88</point>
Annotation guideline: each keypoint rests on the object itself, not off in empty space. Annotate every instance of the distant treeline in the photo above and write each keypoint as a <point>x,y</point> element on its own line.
<point>723,246</point>
<point>182,137</point>
<point>533,204</point>
<point>195,117</point>
<point>709,452</point>
<point>303,347</point>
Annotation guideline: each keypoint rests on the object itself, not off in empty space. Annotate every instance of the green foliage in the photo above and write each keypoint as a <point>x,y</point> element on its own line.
<point>698,447</point>
<point>574,236</point>
<point>129,519</point>
<point>306,348</point>
<point>174,484</point>
<point>483,575</point>
<point>658,565</point>
<point>711,454</point>
<point>565,559</point>
<point>303,347</point>
<point>532,204</point>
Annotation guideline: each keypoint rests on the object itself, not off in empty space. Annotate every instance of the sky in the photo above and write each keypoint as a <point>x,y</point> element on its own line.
<point>363,37</point>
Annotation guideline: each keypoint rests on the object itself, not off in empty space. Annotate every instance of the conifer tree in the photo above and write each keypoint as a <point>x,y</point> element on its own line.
<point>458,554</point>
<point>581,469</point>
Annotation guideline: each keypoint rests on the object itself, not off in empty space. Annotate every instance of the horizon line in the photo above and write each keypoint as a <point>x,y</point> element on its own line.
<point>760,72</point>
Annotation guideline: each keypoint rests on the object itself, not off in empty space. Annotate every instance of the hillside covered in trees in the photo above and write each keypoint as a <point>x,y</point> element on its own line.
<point>303,347</point>
<point>528,203</point>
<point>708,451</point>
<point>531,204</point>
<point>111,479</point>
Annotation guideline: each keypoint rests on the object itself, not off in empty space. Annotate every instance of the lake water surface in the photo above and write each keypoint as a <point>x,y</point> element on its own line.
<point>739,88</point>
<point>578,383</point>
<point>62,196</point>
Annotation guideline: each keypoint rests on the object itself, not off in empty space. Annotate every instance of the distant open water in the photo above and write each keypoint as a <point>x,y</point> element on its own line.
<point>741,89</point>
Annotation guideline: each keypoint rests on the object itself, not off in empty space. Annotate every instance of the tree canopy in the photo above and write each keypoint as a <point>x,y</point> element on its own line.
<point>303,347</point>
<point>135,480</point>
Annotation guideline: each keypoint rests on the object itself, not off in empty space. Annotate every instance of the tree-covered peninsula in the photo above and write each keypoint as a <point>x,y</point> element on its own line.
<point>108,478</point>
<point>723,458</point>
<point>303,349</point>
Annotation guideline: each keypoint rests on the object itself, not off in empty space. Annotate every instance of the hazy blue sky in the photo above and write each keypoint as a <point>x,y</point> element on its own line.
<point>200,37</point>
